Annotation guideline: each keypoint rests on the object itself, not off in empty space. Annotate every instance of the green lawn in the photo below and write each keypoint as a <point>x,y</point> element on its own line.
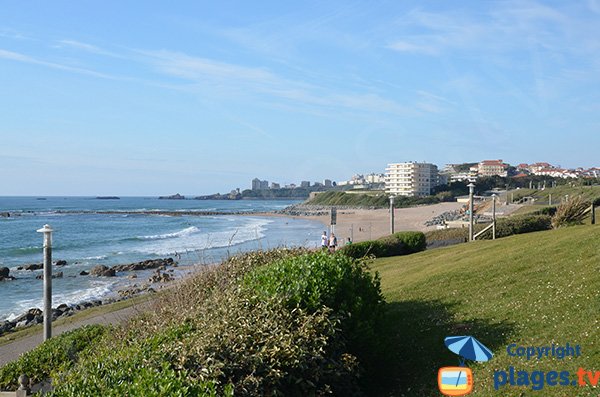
<point>533,290</point>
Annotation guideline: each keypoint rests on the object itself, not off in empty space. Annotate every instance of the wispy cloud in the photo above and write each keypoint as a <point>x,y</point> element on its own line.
<point>510,26</point>
<point>230,78</point>
<point>13,34</point>
<point>18,57</point>
<point>78,45</point>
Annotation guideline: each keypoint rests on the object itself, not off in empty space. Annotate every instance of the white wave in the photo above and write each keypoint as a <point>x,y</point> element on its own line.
<point>182,233</point>
<point>94,258</point>
<point>97,290</point>
<point>250,229</point>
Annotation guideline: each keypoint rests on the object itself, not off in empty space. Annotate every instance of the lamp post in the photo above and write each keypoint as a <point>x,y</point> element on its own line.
<point>392,214</point>
<point>494,216</point>
<point>471,187</point>
<point>47,230</point>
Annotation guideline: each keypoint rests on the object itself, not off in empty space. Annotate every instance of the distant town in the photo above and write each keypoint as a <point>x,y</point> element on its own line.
<point>413,179</point>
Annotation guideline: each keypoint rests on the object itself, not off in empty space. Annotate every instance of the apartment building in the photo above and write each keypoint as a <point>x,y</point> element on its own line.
<point>411,179</point>
<point>491,168</point>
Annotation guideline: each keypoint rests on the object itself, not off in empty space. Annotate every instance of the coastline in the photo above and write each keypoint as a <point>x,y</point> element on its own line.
<point>358,224</point>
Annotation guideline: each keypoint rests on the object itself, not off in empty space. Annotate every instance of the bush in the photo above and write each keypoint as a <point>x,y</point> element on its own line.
<point>572,212</point>
<point>455,234</point>
<point>315,280</point>
<point>412,241</point>
<point>363,249</point>
<point>402,243</point>
<point>519,224</point>
<point>545,211</point>
<point>505,227</point>
<point>51,357</point>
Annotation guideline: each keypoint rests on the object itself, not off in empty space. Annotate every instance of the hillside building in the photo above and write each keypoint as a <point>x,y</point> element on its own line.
<point>492,168</point>
<point>411,179</point>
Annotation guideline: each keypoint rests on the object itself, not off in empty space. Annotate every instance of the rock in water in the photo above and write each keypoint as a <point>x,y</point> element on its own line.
<point>103,271</point>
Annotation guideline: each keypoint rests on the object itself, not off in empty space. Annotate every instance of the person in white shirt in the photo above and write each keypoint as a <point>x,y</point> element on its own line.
<point>324,240</point>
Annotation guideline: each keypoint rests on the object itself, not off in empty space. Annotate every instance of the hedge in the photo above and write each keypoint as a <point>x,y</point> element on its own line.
<point>402,243</point>
<point>517,224</point>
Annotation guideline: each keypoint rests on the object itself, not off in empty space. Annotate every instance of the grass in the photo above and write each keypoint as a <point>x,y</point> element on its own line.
<point>534,290</point>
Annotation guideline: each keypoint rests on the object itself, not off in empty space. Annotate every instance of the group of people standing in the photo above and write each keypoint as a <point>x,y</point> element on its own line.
<point>330,242</point>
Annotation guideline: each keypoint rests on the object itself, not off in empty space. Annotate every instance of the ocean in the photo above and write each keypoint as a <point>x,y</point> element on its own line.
<point>86,239</point>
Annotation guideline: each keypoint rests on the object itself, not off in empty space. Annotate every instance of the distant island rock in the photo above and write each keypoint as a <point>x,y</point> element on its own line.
<point>173,197</point>
<point>108,198</point>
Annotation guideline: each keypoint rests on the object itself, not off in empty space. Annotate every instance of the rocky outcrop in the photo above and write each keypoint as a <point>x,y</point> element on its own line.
<point>159,277</point>
<point>54,275</point>
<point>173,197</point>
<point>33,266</point>
<point>5,274</point>
<point>102,271</point>
<point>61,263</point>
<point>145,265</point>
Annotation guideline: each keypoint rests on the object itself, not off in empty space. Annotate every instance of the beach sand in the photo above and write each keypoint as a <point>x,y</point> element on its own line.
<point>362,225</point>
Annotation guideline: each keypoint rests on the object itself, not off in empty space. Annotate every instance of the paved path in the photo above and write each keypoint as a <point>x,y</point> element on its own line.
<point>12,350</point>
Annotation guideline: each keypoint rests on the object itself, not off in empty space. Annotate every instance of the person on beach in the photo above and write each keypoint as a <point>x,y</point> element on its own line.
<point>324,241</point>
<point>332,243</point>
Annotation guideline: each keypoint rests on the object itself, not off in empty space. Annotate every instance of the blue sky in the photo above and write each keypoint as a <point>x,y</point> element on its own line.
<point>147,98</point>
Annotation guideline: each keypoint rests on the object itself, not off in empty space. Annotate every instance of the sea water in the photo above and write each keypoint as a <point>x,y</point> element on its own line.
<point>86,239</point>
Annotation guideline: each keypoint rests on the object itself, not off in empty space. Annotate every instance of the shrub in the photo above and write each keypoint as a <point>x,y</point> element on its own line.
<point>51,357</point>
<point>572,212</point>
<point>412,241</point>
<point>454,234</point>
<point>402,243</point>
<point>545,211</point>
<point>316,280</point>
<point>363,249</point>
<point>337,282</point>
<point>519,224</point>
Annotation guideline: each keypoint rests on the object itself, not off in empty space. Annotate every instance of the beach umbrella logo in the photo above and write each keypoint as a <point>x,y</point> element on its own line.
<point>458,381</point>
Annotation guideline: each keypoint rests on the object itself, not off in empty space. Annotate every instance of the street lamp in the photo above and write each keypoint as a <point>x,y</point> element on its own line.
<point>494,196</point>
<point>471,187</point>
<point>392,214</point>
<point>47,230</point>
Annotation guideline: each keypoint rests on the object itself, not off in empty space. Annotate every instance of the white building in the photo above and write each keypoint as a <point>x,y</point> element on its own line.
<point>492,168</point>
<point>411,179</point>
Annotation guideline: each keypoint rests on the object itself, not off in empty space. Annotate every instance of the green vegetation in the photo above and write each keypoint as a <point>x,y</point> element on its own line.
<point>572,212</point>
<point>558,193</point>
<point>283,322</point>
<point>533,289</point>
<point>337,282</point>
<point>349,199</point>
<point>283,193</point>
<point>517,224</point>
<point>52,357</point>
<point>402,243</point>
<point>336,198</point>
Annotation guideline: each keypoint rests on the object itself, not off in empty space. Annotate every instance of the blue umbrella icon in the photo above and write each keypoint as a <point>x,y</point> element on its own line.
<point>468,348</point>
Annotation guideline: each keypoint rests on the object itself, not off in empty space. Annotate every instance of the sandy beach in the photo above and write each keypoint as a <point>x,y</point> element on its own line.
<point>367,224</point>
